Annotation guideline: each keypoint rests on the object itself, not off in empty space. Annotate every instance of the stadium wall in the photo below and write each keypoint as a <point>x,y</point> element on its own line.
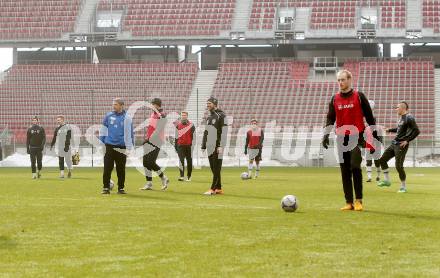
<point>423,51</point>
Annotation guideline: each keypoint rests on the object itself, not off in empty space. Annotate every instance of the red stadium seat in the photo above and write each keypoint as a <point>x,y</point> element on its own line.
<point>165,18</point>
<point>327,14</point>
<point>401,80</point>
<point>33,19</point>
<point>431,15</point>
<point>300,102</point>
<point>77,90</point>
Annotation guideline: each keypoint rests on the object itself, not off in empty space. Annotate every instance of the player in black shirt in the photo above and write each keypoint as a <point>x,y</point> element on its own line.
<point>407,131</point>
<point>214,141</point>
<point>35,141</point>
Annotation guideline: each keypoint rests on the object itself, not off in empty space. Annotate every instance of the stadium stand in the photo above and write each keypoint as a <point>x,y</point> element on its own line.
<point>329,14</point>
<point>333,15</point>
<point>393,14</point>
<point>431,15</point>
<point>280,91</point>
<point>83,92</point>
<point>262,15</point>
<point>388,82</point>
<point>49,19</point>
<point>265,90</point>
<point>43,19</point>
<point>173,18</point>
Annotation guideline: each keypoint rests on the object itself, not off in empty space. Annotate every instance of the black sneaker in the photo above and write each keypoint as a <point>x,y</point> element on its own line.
<point>121,191</point>
<point>369,180</point>
<point>69,174</point>
<point>377,179</point>
<point>105,191</point>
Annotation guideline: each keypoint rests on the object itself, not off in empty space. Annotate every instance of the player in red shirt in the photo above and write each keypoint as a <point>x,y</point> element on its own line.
<point>154,140</point>
<point>347,109</point>
<point>184,144</point>
<point>254,146</point>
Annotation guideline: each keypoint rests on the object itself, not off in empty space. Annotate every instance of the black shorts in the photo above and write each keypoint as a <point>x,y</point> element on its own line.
<point>255,154</point>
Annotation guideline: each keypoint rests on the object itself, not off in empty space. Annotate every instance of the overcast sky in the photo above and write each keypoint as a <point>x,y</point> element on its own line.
<point>5,58</point>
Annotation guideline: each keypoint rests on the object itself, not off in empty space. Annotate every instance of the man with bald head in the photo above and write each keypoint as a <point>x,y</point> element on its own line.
<point>347,110</point>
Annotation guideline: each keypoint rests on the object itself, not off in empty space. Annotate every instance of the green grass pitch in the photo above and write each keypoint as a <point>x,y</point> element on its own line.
<point>66,228</point>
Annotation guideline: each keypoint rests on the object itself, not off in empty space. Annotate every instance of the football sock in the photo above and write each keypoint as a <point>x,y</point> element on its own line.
<point>369,170</point>
<point>251,165</point>
<point>386,175</point>
<point>403,184</point>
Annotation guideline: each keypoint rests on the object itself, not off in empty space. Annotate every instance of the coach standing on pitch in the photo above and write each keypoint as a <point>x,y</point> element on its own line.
<point>35,141</point>
<point>214,140</point>
<point>118,138</point>
<point>348,108</point>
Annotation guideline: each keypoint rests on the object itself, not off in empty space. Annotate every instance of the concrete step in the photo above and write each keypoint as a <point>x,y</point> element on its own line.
<point>85,17</point>
<point>241,15</point>
<point>202,90</point>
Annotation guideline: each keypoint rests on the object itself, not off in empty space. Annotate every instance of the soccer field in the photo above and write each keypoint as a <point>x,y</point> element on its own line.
<point>66,228</point>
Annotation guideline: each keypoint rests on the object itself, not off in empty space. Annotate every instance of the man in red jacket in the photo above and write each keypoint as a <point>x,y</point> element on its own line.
<point>254,146</point>
<point>154,140</point>
<point>184,144</point>
<point>347,109</point>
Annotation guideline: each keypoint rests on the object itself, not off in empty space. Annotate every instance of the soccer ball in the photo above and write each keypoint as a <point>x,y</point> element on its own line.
<point>289,203</point>
<point>244,176</point>
<point>112,184</point>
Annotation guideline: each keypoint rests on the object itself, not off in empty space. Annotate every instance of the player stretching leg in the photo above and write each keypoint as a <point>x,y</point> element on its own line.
<point>407,130</point>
